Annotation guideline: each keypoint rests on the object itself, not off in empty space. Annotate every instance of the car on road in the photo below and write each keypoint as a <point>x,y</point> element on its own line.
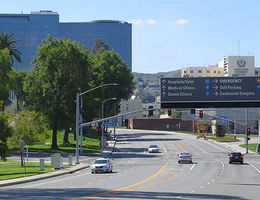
<point>154,148</point>
<point>184,157</point>
<point>236,157</point>
<point>101,165</point>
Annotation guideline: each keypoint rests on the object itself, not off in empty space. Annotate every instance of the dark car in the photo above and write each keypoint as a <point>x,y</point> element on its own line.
<point>236,157</point>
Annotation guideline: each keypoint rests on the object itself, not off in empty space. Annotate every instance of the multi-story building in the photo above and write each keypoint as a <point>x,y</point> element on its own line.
<point>238,65</point>
<point>31,29</point>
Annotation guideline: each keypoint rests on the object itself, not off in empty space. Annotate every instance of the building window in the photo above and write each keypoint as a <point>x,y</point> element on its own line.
<point>219,72</point>
<point>199,71</point>
<point>215,72</point>
<point>208,71</point>
<point>191,71</point>
<point>256,72</point>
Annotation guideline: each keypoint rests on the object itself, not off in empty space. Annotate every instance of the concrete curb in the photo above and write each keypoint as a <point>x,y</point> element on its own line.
<point>41,176</point>
<point>50,174</point>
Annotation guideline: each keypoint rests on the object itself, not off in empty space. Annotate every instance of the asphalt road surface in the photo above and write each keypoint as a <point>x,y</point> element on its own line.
<point>138,174</point>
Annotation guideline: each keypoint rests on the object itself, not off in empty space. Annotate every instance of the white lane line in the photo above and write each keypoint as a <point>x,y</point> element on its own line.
<point>255,168</point>
<point>192,166</point>
<point>202,187</point>
<point>208,183</point>
<point>192,191</point>
<point>164,150</point>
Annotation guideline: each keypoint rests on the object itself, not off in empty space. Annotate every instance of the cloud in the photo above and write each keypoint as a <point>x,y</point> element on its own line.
<point>137,21</point>
<point>151,21</point>
<point>182,21</point>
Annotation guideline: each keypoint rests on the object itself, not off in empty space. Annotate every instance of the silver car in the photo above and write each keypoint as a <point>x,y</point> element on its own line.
<point>101,165</point>
<point>184,157</point>
<point>153,148</point>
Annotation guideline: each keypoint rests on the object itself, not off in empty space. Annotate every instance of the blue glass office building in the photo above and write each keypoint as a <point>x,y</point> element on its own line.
<point>31,29</point>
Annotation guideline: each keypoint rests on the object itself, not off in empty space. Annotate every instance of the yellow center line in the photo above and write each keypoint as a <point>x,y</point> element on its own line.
<point>124,188</point>
<point>181,147</point>
<point>174,176</point>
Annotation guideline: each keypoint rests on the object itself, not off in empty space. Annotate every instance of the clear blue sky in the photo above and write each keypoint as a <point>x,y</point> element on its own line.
<point>167,34</point>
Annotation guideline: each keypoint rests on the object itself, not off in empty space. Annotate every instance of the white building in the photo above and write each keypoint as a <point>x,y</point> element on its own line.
<point>238,65</point>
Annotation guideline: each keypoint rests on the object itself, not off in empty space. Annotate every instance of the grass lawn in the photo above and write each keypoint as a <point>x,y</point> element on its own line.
<point>251,147</point>
<point>227,138</point>
<point>90,144</point>
<point>12,169</point>
<point>223,139</point>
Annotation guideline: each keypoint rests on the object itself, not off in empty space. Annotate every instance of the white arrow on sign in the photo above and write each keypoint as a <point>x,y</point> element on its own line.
<point>215,87</point>
<point>163,80</point>
<point>215,80</point>
<point>215,93</point>
<point>163,87</point>
<point>164,93</point>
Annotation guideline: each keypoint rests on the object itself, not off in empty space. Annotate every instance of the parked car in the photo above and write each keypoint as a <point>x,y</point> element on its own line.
<point>101,165</point>
<point>236,157</point>
<point>153,148</point>
<point>184,157</point>
<point>202,136</point>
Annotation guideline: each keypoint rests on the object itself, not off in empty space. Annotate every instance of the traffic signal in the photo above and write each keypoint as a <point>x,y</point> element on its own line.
<point>201,113</point>
<point>169,112</point>
<point>248,131</point>
<point>99,131</point>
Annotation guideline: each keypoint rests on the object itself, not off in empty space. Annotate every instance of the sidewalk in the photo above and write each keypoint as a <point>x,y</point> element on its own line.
<point>108,150</point>
<point>234,146</point>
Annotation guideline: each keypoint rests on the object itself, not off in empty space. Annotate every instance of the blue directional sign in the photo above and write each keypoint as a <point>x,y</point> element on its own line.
<point>221,117</point>
<point>110,124</point>
<point>205,92</point>
<point>225,123</point>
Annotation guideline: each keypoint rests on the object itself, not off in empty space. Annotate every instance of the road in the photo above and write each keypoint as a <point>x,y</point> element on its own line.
<point>140,175</point>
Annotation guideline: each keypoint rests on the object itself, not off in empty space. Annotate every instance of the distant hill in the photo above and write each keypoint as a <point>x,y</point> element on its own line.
<point>148,85</point>
<point>149,78</point>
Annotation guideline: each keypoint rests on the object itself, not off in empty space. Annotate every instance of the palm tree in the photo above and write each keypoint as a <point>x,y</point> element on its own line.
<point>6,41</point>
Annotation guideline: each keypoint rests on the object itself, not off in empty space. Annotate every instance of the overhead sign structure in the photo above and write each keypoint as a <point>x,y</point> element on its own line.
<point>206,92</point>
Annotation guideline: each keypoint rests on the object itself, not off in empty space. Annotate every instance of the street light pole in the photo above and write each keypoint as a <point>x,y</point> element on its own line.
<point>79,120</point>
<point>102,115</point>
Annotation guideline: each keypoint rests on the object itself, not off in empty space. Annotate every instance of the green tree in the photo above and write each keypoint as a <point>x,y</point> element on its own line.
<point>220,131</point>
<point>5,132</point>
<point>7,41</point>
<point>110,68</point>
<point>29,127</point>
<point>5,70</point>
<point>99,46</point>
<point>17,87</point>
<point>59,69</point>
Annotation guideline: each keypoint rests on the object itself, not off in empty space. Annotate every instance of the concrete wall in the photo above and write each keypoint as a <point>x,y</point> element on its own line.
<point>162,124</point>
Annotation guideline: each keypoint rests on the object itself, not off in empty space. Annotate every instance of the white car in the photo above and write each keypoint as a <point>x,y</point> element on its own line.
<point>153,148</point>
<point>184,157</point>
<point>101,165</point>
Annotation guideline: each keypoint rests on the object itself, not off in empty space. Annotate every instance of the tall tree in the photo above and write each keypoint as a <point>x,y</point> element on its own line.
<point>59,69</point>
<point>5,70</point>
<point>7,41</point>
<point>17,87</point>
<point>110,68</point>
<point>99,46</point>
